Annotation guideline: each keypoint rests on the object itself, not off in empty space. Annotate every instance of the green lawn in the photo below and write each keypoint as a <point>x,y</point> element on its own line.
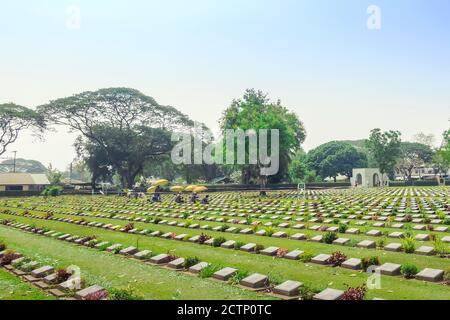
<point>13,288</point>
<point>316,276</point>
<point>113,271</point>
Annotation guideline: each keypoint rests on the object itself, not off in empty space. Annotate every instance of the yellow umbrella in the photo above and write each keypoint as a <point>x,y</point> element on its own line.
<point>190,188</point>
<point>177,189</point>
<point>151,189</point>
<point>200,189</point>
<point>162,182</point>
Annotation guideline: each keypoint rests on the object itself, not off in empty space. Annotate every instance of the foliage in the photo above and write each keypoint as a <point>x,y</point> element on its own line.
<point>357,293</point>
<point>217,242</point>
<point>334,158</point>
<point>343,227</point>
<point>15,119</point>
<point>306,257</point>
<point>238,276</point>
<point>123,294</point>
<point>128,126</point>
<point>413,155</point>
<point>385,149</point>
<point>442,249</point>
<point>190,261</point>
<point>52,191</point>
<point>337,259</point>
<point>409,270</point>
<point>369,261</point>
<point>209,270</point>
<point>99,295</point>
<point>329,237</point>
<point>409,244</point>
<point>62,275</point>
<point>254,112</point>
<point>8,257</point>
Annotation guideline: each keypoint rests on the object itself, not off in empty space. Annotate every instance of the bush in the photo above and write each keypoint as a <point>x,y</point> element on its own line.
<point>343,228</point>
<point>8,257</point>
<point>236,279</point>
<point>203,238</point>
<point>2,247</point>
<point>52,191</point>
<point>269,231</point>
<point>369,261</point>
<point>307,292</point>
<point>329,237</point>
<point>357,293</point>
<point>62,275</point>
<point>209,271</point>
<point>238,245</point>
<point>409,245</point>
<point>337,259</point>
<point>441,248</point>
<point>190,261</point>
<point>123,294</point>
<point>306,257</point>
<point>217,242</point>
<point>100,295</point>
<point>409,270</point>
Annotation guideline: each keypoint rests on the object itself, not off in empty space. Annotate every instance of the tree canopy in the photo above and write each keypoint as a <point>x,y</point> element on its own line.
<point>129,127</point>
<point>385,149</point>
<point>14,119</point>
<point>413,155</point>
<point>255,111</point>
<point>336,158</point>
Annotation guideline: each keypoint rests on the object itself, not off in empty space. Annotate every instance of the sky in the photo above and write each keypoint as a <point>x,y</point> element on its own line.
<point>319,57</point>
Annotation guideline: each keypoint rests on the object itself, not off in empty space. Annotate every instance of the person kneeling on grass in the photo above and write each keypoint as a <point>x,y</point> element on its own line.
<point>194,198</point>
<point>179,198</point>
<point>205,200</point>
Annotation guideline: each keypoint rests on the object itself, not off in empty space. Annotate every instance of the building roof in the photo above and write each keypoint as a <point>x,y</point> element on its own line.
<point>8,179</point>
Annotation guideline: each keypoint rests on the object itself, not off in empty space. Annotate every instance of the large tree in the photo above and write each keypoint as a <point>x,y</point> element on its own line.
<point>413,155</point>
<point>385,149</point>
<point>14,119</point>
<point>336,158</point>
<point>255,111</point>
<point>130,127</point>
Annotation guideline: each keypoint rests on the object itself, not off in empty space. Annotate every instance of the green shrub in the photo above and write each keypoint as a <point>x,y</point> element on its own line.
<point>190,261</point>
<point>343,228</point>
<point>217,242</point>
<point>236,279</point>
<point>238,245</point>
<point>307,292</point>
<point>209,271</point>
<point>329,237</point>
<point>409,244</point>
<point>441,248</point>
<point>123,294</point>
<point>306,257</point>
<point>369,261</point>
<point>409,270</point>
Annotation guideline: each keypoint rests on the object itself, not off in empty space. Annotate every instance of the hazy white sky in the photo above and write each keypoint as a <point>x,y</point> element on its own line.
<point>318,57</point>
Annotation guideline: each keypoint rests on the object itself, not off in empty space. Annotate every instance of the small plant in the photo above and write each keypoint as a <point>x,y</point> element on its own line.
<point>409,244</point>
<point>217,242</point>
<point>62,275</point>
<point>2,247</point>
<point>270,231</point>
<point>307,292</point>
<point>357,293</point>
<point>409,270</point>
<point>381,243</point>
<point>369,261</point>
<point>343,228</point>
<point>259,248</point>
<point>203,238</point>
<point>337,259</point>
<point>190,261</point>
<point>306,257</point>
<point>281,252</point>
<point>96,296</point>
<point>123,294</point>
<point>329,237</point>
<point>441,248</point>
<point>447,276</point>
<point>236,279</point>
<point>209,271</point>
<point>128,227</point>
<point>8,257</point>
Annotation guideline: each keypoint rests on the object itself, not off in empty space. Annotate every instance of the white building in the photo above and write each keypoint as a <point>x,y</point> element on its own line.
<point>367,177</point>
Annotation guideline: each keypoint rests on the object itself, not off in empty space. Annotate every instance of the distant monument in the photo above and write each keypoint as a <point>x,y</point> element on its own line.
<point>368,178</point>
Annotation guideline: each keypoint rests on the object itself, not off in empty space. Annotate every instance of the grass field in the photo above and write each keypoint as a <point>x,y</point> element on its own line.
<point>112,271</point>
